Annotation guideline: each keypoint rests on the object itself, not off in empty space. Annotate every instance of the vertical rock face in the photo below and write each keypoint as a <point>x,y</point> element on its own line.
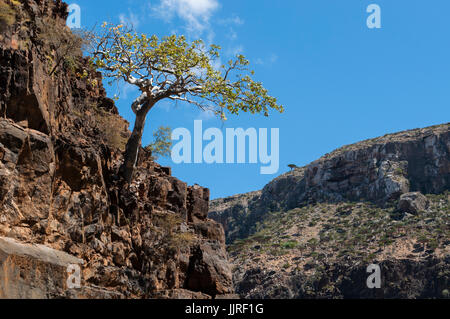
<point>61,141</point>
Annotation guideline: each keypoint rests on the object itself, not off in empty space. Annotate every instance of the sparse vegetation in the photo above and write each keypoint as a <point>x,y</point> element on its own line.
<point>291,244</point>
<point>7,15</point>
<point>66,47</point>
<point>362,231</point>
<point>399,171</point>
<point>168,227</point>
<point>112,127</point>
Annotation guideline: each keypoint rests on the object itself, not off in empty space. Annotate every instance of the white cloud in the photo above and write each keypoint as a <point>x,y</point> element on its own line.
<point>130,19</point>
<point>128,90</point>
<point>206,115</point>
<point>235,50</point>
<point>196,13</point>
<point>273,58</point>
<point>232,35</point>
<point>234,20</point>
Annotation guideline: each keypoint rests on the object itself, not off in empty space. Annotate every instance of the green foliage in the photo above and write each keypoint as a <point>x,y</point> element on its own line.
<point>291,244</point>
<point>181,240</point>
<point>161,142</point>
<point>174,68</point>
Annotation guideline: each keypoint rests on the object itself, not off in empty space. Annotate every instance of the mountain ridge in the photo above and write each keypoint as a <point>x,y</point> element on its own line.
<point>311,232</point>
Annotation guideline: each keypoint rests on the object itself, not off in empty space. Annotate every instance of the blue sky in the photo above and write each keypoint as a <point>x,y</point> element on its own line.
<point>340,82</point>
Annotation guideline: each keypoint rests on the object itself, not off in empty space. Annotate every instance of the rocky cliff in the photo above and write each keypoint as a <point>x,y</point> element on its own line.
<point>61,201</point>
<point>312,232</point>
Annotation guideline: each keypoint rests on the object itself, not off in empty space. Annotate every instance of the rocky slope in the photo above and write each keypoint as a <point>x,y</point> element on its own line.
<point>313,231</point>
<point>61,141</point>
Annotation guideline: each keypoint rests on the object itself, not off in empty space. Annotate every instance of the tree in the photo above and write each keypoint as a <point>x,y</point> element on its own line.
<point>161,142</point>
<point>292,166</point>
<point>174,69</point>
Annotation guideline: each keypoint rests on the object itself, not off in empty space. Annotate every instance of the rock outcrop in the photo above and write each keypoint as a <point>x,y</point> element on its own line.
<point>39,272</point>
<point>405,279</point>
<point>61,143</point>
<point>311,232</point>
<point>377,170</point>
<point>412,203</point>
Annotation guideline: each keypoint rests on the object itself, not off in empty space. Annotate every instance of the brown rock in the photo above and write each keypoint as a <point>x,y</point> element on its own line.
<point>33,271</point>
<point>61,143</point>
<point>208,270</point>
<point>197,203</point>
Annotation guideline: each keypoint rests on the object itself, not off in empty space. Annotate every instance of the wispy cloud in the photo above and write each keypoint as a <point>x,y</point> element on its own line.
<point>130,19</point>
<point>127,90</point>
<point>271,59</point>
<point>233,51</point>
<point>195,13</point>
<point>206,115</point>
<point>233,20</point>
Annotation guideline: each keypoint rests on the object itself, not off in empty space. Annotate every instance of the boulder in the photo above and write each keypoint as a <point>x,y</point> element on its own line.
<point>412,203</point>
<point>33,271</point>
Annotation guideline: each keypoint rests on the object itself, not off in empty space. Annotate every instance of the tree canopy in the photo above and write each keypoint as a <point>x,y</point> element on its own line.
<point>173,68</point>
<point>176,69</point>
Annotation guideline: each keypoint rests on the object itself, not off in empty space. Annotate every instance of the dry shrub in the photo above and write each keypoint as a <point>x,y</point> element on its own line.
<point>63,44</point>
<point>7,15</point>
<point>113,129</point>
<point>169,224</point>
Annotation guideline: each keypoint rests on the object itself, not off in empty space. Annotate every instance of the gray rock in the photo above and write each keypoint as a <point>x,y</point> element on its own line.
<point>378,170</point>
<point>412,203</point>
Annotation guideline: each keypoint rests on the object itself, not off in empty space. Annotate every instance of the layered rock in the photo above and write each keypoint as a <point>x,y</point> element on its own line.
<point>312,232</point>
<point>61,143</point>
<point>377,170</point>
<point>39,272</point>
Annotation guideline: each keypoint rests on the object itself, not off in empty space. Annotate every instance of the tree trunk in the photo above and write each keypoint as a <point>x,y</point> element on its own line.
<point>133,145</point>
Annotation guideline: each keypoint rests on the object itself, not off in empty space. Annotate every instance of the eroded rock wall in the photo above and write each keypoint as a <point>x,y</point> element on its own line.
<point>61,143</point>
<point>378,170</point>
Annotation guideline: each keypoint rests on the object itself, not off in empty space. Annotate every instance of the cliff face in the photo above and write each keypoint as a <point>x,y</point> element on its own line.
<point>377,170</point>
<point>313,231</point>
<point>61,141</point>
